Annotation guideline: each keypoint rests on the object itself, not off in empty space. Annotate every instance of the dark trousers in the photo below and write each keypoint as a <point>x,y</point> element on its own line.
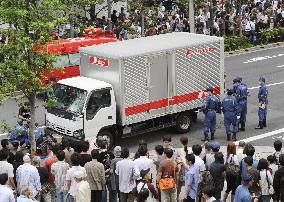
<point>189,199</point>
<point>96,195</point>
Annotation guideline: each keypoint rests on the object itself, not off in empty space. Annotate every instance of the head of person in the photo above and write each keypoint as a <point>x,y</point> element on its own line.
<point>230,92</point>
<point>196,149</point>
<point>145,174</point>
<point>248,160</point>
<point>236,81</point>
<point>55,148</point>
<point>215,146</point>
<point>95,153</point>
<point>231,148</point>
<point>248,180</point>
<point>26,105</point>
<point>60,155</point>
<point>79,176</point>
<point>209,91</point>
<point>117,151</point>
<point>208,192</point>
<point>3,178</point>
<point>159,149</point>
<point>102,143</point>
<point>6,144</point>
<point>281,159</point>
<point>4,154</point>
<point>124,153</point>
<point>184,143</point>
<point>142,150</point>
<point>167,140</point>
<point>26,191</point>
<point>271,159</point>
<point>19,156</point>
<point>219,157</point>
<point>169,153</point>
<point>85,146</point>
<point>27,158</point>
<point>208,146</point>
<point>262,164</point>
<point>249,150</point>
<point>36,161</point>
<point>114,11</point>
<point>261,80</point>
<point>277,145</point>
<point>75,159</point>
<point>242,144</point>
<point>142,142</point>
<point>190,159</point>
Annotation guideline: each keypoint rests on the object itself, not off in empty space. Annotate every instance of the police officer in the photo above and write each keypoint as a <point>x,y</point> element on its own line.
<point>241,94</point>
<point>229,108</point>
<point>263,101</point>
<point>209,109</point>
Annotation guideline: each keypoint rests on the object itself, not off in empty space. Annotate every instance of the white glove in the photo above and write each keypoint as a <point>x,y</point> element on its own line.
<point>238,117</point>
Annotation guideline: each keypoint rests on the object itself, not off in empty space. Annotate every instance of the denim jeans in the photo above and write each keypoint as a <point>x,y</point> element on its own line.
<point>60,195</point>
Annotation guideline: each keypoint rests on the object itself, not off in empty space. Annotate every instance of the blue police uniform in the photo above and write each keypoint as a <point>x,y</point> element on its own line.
<point>241,94</point>
<point>263,101</point>
<point>229,108</point>
<point>209,110</point>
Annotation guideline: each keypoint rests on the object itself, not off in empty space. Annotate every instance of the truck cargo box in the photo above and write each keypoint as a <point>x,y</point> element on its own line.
<point>157,75</point>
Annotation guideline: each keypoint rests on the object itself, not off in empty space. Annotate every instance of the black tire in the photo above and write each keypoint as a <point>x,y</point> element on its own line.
<point>183,123</point>
<point>109,137</point>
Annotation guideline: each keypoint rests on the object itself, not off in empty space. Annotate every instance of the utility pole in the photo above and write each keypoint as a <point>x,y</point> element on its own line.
<point>191,16</point>
<point>211,24</point>
<point>142,19</point>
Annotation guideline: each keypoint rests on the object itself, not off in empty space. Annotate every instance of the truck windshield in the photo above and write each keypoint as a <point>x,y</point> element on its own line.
<point>70,99</point>
<point>67,60</point>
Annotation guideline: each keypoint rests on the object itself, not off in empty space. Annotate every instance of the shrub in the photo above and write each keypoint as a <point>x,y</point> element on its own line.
<point>237,42</point>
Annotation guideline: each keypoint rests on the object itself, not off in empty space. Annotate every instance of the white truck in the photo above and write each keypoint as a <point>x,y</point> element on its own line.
<point>131,87</point>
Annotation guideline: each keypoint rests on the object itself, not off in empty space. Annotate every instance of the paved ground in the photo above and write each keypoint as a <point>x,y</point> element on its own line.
<point>249,65</point>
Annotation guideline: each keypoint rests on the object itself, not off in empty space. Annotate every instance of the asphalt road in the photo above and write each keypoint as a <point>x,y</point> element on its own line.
<point>249,65</point>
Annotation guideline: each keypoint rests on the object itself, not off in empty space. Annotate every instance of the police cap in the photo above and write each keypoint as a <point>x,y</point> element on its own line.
<point>237,79</point>
<point>262,79</point>
<point>210,89</point>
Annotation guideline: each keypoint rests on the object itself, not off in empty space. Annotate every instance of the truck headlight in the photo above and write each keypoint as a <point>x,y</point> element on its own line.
<point>79,134</point>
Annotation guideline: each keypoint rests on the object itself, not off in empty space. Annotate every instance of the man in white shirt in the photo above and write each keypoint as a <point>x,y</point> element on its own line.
<point>143,162</point>
<point>27,175</point>
<point>6,192</point>
<point>6,167</point>
<point>70,176</point>
<point>197,149</point>
<point>127,174</point>
<point>83,188</point>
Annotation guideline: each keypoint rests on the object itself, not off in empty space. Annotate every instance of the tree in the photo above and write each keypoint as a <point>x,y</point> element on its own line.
<point>32,23</point>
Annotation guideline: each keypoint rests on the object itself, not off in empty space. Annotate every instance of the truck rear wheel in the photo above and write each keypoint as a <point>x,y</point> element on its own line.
<point>183,123</point>
<point>108,136</point>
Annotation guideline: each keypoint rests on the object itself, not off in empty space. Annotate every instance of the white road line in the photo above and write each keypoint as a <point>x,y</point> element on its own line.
<point>280,66</point>
<point>258,137</point>
<point>272,84</point>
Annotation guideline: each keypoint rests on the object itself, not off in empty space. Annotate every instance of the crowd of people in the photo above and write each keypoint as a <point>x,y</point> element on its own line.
<point>72,172</point>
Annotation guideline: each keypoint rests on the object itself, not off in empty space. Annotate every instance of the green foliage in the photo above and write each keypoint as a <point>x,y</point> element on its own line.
<point>236,42</point>
<point>271,35</point>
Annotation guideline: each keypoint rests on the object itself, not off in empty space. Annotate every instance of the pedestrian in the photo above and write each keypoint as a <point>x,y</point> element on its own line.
<point>85,157</point>
<point>278,182</point>
<point>241,95</point>
<point>232,171</point>
<point>249,151</point>
<point>208,194</point>
<point>6,145</point>
<point>140,143</point>
<point>209,155</point>
<point>197,149</point>
<point>229,108</point>
<point>167,142</point>
<point>7,168</point>
<point>45,194</point>
<point>26,195</point>
<point>96,176</point>
<point>242,192</point>
<point>145,183</point>
<point>68,150</point>
<point>159,149</point>
<point>218,172</point>
<point>255,189</point>
<point>240,150</point>
<point>59,170</point>
<point>168,170</point>
<point>7,194</point>
<point>266,179</point>
<point>51,160</point>
<point>114,177</point>
<point>83,193</point>
<point>70,176</point>
<point>191,179</point>
<point>143,162</point>
<point>273,167</point>
<point>209,109</point>
<point>28,175</point>
<point>278,150</point>
<point>127,174</point>
<point>262,103</point>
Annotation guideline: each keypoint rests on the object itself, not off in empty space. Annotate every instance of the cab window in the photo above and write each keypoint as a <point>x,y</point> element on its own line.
<point>98,100</point>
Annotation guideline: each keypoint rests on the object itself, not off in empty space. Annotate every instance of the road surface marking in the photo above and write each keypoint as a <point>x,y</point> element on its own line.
<point>272,84</point>
<point>280,66</point>
<point>261,136</point>
<point>256,59</point>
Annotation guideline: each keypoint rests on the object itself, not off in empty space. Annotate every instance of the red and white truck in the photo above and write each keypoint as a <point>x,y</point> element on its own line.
<point>68,52</point>
<point>137,86</point>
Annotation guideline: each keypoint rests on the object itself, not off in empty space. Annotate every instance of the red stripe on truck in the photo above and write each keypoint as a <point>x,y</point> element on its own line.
<point>167,102</point>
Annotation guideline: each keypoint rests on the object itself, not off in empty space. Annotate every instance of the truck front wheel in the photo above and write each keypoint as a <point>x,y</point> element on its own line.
<point>108,137</point>
<point>183,123</point>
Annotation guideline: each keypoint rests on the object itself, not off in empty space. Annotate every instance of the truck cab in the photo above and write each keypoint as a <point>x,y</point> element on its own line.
<point>83,107</point>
